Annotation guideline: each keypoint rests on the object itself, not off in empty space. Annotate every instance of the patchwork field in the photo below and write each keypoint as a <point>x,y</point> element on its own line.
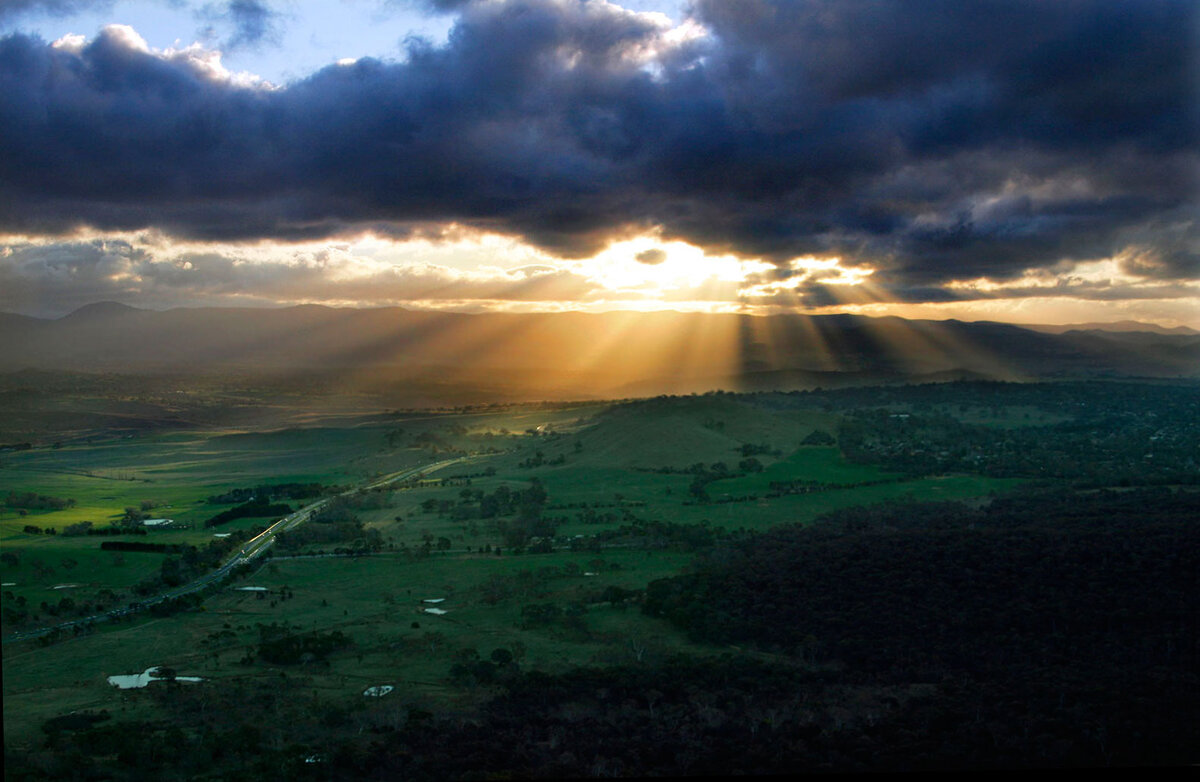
<point>607,473</point>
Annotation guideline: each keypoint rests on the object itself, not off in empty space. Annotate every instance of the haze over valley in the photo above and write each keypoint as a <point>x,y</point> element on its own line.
<point>524,357</point>
<point>460,389</point>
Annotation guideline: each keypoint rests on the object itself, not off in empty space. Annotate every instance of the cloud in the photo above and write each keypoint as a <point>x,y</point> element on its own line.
<point>651,257</point>
<point>431,6</point>
<point>934,141</point>
<point>13,8</point>
<point>46,277</point>
<point>253,22</point>
<point>59,276</point>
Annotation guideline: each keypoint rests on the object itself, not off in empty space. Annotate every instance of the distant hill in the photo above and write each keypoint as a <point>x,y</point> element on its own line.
<point>100,311</point>
<point>579,355</point>
<point>1120,325</point>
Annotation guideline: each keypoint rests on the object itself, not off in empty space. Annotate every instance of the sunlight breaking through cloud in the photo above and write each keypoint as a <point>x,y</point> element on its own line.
<point>461,268</point>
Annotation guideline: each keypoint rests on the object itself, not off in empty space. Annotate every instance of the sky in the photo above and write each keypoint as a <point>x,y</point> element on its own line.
<point>1012,160</point>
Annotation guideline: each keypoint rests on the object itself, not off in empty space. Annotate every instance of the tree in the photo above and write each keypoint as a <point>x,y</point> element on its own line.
<point>133,517</point>
<point>172,572</point>
<point>750,465</point>
<point>818,437</point>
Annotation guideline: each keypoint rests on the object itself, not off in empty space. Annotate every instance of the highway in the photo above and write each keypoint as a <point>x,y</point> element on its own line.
<point>250,550</point>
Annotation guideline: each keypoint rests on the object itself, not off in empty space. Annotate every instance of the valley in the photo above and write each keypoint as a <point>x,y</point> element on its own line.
<point>450,555</point>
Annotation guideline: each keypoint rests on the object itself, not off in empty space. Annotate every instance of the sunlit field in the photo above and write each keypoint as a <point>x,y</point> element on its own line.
<point>619,462</point>
<point>510,540</point>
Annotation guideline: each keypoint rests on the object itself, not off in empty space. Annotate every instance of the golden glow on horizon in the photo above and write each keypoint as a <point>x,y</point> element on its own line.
<point>1107,271</point>
<point>1045,310</point>
<point>460,268</point>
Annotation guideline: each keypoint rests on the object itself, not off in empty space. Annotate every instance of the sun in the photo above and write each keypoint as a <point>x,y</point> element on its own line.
<point>667,270</point>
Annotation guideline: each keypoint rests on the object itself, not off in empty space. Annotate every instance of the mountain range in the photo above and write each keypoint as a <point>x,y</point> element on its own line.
<point>547,355</point>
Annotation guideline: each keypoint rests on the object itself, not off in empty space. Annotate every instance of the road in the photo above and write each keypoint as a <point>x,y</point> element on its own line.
<point>250,550</point>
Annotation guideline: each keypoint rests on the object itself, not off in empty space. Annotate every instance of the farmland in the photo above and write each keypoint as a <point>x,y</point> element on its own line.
<point>531,553</point>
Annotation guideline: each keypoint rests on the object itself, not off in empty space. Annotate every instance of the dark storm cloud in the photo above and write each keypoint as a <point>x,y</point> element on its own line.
<point>13,8</point>
<point>934,140</point>
<point>252,22</point>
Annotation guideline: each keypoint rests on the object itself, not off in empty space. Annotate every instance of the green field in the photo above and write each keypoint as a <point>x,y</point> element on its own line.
<point>178,470</point>
<point>610,460</point>
<point>175,472</point>
<point>375,601</point>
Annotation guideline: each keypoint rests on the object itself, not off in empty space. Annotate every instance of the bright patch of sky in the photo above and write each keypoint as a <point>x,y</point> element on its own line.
<point>301,37</point>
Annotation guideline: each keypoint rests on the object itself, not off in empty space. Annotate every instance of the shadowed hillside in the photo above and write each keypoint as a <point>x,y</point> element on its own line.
<point>545,355</point>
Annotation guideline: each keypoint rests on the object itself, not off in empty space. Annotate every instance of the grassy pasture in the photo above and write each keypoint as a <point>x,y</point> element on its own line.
<point>822,464</point>
<point>679,432</point>
<point>93,570</point>
<point>178,471</point>
<point>375,600</point>
<point>663,495</point>
<point>802,508</point>
<point>570,484</point>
